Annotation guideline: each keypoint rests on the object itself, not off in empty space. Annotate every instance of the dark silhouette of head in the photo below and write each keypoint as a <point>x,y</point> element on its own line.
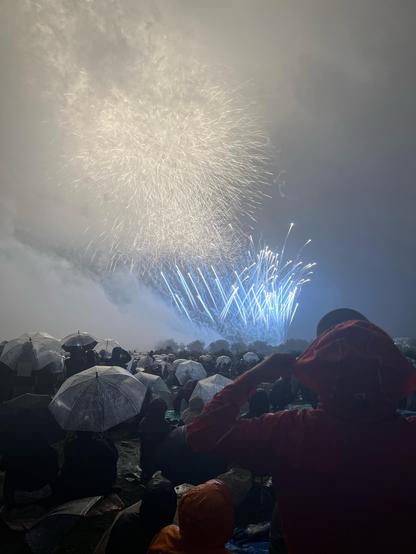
<point>259,404</point>
<point>337,316</point>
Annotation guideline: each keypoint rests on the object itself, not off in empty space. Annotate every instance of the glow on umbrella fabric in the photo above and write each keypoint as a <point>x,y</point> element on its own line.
<point>189,370</point>
<point>208,388</point>
<point>157,385</point>
<point>107,346</point>
<point>78,340</point>
<point>223,361</point>
<point>97,399</point>
<point>178,361</point>
<point>55,361</point>
<point>22,354</point>
<point>251,358</point>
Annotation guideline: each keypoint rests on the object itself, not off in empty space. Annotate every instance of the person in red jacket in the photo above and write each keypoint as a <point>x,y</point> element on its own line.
<point>345,473</point>
<point>206,521</point>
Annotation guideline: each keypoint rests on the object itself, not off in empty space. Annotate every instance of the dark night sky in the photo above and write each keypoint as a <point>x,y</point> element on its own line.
<point>335,81</point>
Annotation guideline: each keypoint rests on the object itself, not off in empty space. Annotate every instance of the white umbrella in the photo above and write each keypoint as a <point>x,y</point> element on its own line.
<point>190,370</point>
<point>22,354</point>
<point>78,340</point>
<point>208,388</point>
<point>175,363</point>
<point>107,346</point>
<point>54,360</point>
<point>97,399</point>
<point>223,361</point>
<point>157,385</point>
<point>251,358</point>
<point>144,360</point>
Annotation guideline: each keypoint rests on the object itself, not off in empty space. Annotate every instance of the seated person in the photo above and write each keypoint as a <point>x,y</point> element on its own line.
<point>184,394</point>
<point>206,522</point>
<point>180,464</point>
<point>195,407</point>
<point>120,357</point>
<point>153,428</point>
<point>135,527</point>
<point>90,467</point>
<point>29,463</point>
<point>258,404</point>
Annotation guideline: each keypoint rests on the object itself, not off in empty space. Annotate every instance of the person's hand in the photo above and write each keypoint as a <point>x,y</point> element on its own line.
<point>275,366</point>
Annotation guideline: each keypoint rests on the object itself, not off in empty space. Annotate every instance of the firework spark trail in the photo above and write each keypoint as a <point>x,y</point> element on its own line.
<point>257,302</point>
<point>165,149</point>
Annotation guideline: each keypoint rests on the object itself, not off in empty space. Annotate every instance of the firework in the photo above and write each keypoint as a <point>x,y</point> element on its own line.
<point>167,154</point>
<point>257,301</point>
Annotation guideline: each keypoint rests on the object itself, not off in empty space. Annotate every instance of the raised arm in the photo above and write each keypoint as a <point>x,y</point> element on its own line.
<point>218,428</point>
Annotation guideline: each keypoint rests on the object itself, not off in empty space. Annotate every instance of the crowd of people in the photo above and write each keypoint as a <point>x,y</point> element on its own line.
<point>309,446</point>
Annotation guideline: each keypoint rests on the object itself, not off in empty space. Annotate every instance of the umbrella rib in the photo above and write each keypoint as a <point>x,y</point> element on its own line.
<point>80,396</point>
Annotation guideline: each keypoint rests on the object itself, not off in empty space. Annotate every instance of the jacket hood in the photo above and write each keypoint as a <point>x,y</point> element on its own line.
<point>357,370</point>
<point>206,516</point>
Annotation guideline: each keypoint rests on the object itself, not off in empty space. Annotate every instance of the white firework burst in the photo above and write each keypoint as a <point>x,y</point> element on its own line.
<point>167,151</point>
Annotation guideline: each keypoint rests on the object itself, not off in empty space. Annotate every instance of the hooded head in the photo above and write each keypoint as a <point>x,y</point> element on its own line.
<point>196,404</point>
<point>159,502</point>
<point>156,410</point>
<point>340,315</point>
<point>206,517</point>
<point>357,371</point>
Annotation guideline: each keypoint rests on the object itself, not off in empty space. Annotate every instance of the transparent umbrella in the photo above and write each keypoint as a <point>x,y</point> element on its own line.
<point>189,370</point>
<point>106,346</point>
<point>251,358</point>
<point>52,360</point>
<point>22,354</point>
<point>78,340</point>
<point>223,361</point>
<point>97,399</point>
<point>208,388</point>
<point>157,385</point>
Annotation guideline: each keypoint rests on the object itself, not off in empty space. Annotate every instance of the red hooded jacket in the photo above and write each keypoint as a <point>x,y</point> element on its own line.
<point>344,474</point>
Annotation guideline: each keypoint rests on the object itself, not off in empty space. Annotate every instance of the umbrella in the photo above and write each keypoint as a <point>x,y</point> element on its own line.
<point>97,399</point>
<point>107,346</point>
<point>175,363</point>
<point>22,354</point>
<point>28,411</point>
<point>53,360</point>
<point>251,358</point>
<point>78,340</point>
<point>25,402</point>
<point>223,361</point>
<point>190,370</point>
<point>157,385</point>
<point>208,388</point>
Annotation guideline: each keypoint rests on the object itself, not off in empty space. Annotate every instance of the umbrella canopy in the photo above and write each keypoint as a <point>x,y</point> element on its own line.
<point>78,340</point>
<point>107,346</point>
<point>52,360</point>
<point>28,413</point>
<point>157,385</point>
<point>189,370</point>
<point>251,358</point>
<point>22,354</point>
<point>223,361</point>
<point>97,399</point>
<point>208,388</point>
<point>175,363</point>
<point>27,401</point>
